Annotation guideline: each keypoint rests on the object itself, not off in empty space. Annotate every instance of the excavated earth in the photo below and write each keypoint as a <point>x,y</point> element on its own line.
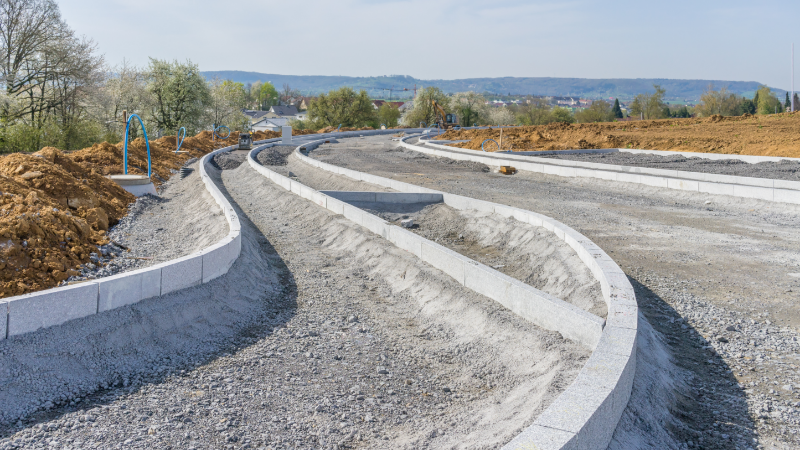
<point>768,135</point>
<point>717,280</point>
<point>322,336</point>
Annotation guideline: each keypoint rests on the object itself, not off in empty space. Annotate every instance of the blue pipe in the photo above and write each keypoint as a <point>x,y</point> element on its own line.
<point>127,128</point>
<point>340,126</point>
<point>178,134</point>
<point>219,128</point>
<point>423,124</point>
<point>498,145</point>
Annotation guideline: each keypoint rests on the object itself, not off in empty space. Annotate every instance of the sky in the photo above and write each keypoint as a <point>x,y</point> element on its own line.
<point>429,39</point>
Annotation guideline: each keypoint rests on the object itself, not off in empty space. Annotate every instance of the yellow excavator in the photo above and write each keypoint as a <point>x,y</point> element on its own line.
<point>444,120</point>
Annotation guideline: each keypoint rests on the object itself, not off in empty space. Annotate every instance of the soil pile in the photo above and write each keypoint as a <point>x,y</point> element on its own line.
<point>55,208</point>
<point>333,129</point>
<point>772,135</point>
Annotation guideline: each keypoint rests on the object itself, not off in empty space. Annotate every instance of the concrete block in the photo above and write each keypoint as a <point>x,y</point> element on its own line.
<point>351,196</point>
<point>444,259</point>
<point>629,177</point>
<point>753,192</point>
<point>575,407</point>
<point>552,313</point>
<point>128,288</point>
<point>181,273</point>
<point>407,197</point>
<point>406,240</point>
<point>217,259</point>
<point>715,188</point>
<point>730,179</point>
<point>319,198</point>
<point>335,205</point>
<point>604,369</point>
<point>786,196</point>
<point>486,281</point>
<point>650,180</point>
<point>352,213</point>
<point>30,312</point>
<point>3,319</point>
<point>537,437</point>
<point>619,341</point>
<point>375,224</point>
<point>786,184</point>
<point>306,192</point>
<point>623,316</point>
<point>397,185</point>
<point>504,211</point>
<point>606,175</point>
<point>682,184</point>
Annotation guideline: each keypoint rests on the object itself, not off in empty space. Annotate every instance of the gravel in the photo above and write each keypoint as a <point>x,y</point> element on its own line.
<point>699,263</point>
<point>322,335</point>
<point>181,220</point>
<point>782,170</point>
<point>228,160</point>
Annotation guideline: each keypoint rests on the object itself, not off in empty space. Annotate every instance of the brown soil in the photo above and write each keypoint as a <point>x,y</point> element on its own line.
<point>772,135</point>
<point>55,207</point>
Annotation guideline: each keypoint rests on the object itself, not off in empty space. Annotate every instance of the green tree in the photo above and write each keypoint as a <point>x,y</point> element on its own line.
<point>180,94</point>
<point>388,115</point>
<point>342,106</point>
<point>788,103</point>
<point>599,111</point>
<point>267,96</point>
<point>649,106</point>
<point>617,110</point>
<point>747,107</point>
<point>768,102</point>
<point>562,115</point>
<point>227,99</point>
<point>423,110</point>
<point>536,111</point>
<point>470,107</point>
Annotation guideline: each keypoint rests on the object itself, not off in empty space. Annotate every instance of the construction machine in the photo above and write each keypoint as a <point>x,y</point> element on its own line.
<point>245,141</point>
<point>443,120</point>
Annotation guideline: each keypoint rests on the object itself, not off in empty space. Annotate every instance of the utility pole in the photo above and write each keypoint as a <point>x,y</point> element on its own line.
<point>792,76</point>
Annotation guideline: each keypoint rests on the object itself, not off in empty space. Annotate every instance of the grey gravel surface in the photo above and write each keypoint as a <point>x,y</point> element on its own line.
<point>181,220</point>
<point>321,336</point>
<point>228,160</point>
<point>783,170</point>
<point>699,263</point>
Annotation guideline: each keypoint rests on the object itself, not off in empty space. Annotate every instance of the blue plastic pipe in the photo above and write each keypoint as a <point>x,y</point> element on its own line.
<point>498,145</point>
<point>147,142</point>
<point>182,137</point>
<point>219,128</point>
<point>340,126</point>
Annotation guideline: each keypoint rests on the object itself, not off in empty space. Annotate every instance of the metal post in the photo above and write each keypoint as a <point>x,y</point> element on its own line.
<point>792,77</point>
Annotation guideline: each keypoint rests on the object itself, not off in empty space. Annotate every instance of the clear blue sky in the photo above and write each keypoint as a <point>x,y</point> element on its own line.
<point>699,39</point>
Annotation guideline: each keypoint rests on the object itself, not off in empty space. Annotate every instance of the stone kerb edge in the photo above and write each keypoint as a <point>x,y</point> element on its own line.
<point>586,414</point>
<point>30,312</point>
<point>745,187</point>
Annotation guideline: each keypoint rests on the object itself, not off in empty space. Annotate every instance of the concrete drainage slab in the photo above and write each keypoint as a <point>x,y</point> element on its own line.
<point>586,414</point>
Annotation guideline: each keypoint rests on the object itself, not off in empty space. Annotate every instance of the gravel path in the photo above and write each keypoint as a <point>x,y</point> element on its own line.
<point>783,170</point>
<point>717,277</point>
<point>321,336</point>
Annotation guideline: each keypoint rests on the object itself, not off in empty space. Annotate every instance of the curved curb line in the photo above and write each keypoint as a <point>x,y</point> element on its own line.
<point>585,415</point>
<point>30,312</point>
<point>782,191</point>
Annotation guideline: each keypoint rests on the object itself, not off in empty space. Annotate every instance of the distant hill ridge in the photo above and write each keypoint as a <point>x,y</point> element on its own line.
<point>578,87</point>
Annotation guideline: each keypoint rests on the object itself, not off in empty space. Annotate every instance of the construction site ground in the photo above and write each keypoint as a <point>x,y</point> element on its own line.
<point>783,170</point>
<point>764,135</point>
<point>322,335</point>
<point>717,278</point>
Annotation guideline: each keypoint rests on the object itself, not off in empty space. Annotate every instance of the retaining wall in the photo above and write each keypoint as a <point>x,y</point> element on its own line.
<point>30,312</point>
<point>586,414</point>
<point>783,191</point>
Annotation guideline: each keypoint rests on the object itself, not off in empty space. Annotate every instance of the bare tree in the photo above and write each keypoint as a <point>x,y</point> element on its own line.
<point>289,96</point>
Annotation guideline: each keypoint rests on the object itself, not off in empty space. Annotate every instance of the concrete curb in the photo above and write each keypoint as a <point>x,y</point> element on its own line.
<point>586,414</point>
<point>783,191</point>
<point>30,312</point>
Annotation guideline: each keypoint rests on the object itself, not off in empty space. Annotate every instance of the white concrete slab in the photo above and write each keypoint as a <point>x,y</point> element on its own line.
<point>181,273</point>
<point>27,313</point>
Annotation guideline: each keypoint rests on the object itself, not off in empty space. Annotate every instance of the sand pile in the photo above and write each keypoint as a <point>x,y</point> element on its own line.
<point>55,208</point>
<point>772,135</point>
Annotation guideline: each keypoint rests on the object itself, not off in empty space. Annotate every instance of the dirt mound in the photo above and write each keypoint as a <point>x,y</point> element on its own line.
<point>772,135</point>
<point>55,208</point>
<point>333,129</point>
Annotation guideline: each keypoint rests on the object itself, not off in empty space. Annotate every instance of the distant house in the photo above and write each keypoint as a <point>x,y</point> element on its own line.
<point>289,112</point>
<point>270,124</point>
<point>254,116</point>
<point>305,103</point>
<point>378,103</point>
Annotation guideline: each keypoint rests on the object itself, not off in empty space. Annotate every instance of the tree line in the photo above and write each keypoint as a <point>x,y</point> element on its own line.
<point>58,91</point>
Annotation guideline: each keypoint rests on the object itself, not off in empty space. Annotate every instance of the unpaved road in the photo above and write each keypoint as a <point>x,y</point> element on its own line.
<point>322,336</point>
<point>717,277</point>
